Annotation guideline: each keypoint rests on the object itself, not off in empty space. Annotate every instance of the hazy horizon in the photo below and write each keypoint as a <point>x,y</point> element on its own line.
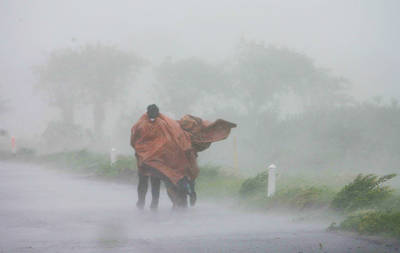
<point>354,39</point>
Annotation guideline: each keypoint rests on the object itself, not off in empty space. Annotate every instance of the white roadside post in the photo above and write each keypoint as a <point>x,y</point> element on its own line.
<point>271,180</point>
<point>113,156</point>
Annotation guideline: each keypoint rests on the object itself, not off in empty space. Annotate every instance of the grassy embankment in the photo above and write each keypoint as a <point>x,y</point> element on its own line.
<point>368,206</point>
<point>211,182</point>
<point>97,164</point>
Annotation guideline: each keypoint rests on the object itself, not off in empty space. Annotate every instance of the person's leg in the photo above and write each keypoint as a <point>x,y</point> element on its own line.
<point>142,190</point>
<point>155,192</point>
<point>192,195</point>
<point>178,198</point>
<point>177,194</point>
<point>183,203</point>
<point>171,195</point>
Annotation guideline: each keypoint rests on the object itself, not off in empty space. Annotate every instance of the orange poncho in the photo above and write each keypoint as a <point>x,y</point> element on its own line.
<point>171,146</point>
<point>203,133</point>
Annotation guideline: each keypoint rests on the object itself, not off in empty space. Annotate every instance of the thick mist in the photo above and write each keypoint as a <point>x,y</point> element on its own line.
<point>352,45</point>
<point>312,86</point>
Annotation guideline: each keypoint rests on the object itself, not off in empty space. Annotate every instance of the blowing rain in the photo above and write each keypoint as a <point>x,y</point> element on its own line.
<point>199,126</point>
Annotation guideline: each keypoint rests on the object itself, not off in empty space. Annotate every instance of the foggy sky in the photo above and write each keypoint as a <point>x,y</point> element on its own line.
<point>355,39</point>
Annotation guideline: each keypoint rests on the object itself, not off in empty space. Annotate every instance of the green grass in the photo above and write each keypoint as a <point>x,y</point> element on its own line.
<point>97,163</point>
<point>301,198</point>
<point>291,198</point>
<point>212,183</point>
<point>373,222</point>
<point>293,193</point>
<point>76,159</point>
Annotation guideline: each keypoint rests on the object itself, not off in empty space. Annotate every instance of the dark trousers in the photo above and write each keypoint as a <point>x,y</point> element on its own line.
<point>142,190</point>
<point>177,194</point>
<point>155,181</point>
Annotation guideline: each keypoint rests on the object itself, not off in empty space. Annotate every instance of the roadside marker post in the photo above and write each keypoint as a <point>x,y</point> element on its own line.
<point>13,146</point>
<point>271,180</point>
<point>113,156</point>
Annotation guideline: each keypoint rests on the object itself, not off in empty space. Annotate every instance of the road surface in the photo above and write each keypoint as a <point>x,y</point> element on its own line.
<point>42,210</point>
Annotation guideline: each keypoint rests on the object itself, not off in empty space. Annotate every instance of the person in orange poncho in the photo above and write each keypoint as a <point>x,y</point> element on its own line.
<point>167,150</point>
<point>162,151</point>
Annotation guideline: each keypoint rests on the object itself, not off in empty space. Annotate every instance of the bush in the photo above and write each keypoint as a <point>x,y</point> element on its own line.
<point>373,222</point>
<point>303,197</point>
<point>254,185</point>
<point>364,191</point>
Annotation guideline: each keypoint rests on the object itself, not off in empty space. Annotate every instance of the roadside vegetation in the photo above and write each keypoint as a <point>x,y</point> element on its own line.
<point>212,182</point>
<point>373,222</point>
<point>366,191</point>
<point>293,192</point>
<point>95,164</point>
<point>369,206</point>
<point>215,183</point>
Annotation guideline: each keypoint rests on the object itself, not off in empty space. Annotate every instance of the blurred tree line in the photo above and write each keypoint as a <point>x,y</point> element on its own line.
<point>93,75</point>
<point>327,129</point>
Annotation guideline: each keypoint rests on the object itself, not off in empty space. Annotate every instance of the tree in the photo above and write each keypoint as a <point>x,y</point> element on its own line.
<point>105,73</point>
<point>256,76</point>
<point>182,84</point>
<point>265,73</point>
<point>247,88</point>
<point>93,74</point>
<point>58,78</point>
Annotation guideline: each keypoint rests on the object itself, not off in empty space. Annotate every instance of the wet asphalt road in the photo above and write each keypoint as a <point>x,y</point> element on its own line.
<point>42,210</point>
